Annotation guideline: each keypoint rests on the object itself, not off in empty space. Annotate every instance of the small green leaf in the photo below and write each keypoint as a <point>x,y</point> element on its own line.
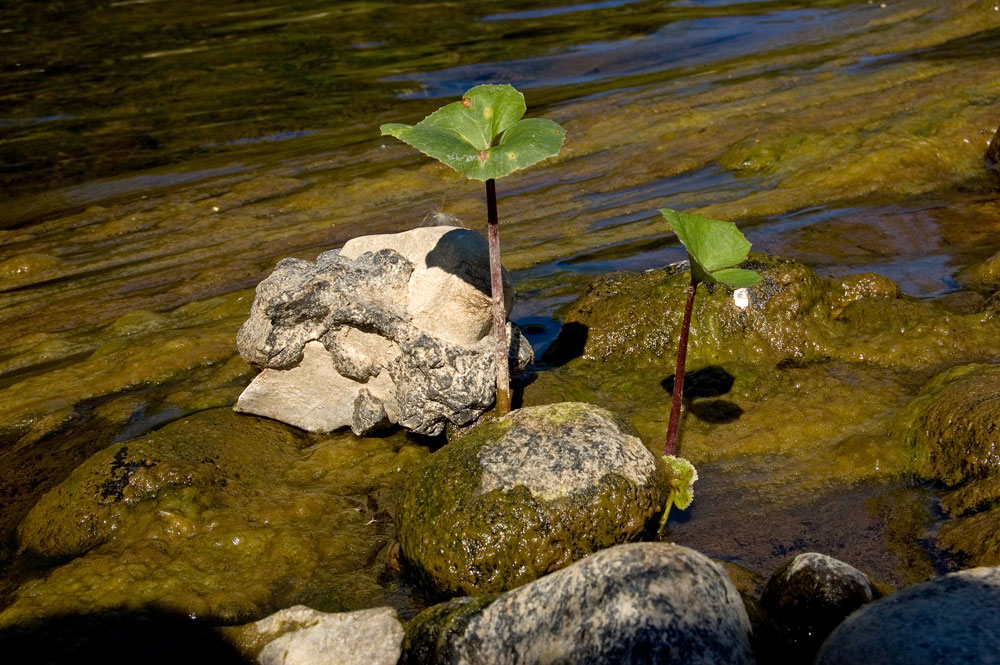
<point>462,134</point>
<point>682,478</point>
<point>714,247</point>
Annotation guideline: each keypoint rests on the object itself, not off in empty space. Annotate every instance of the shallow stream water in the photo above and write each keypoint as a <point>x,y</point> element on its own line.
<point>157,159</point>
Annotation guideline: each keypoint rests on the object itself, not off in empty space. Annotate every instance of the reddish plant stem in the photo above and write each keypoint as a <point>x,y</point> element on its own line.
<point>499,312</point>
<point>670,446</point>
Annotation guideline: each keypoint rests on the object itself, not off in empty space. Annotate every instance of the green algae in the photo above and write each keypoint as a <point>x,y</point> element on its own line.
<point>820,369</point>
<point>429,635</point>
<point>948,429</point>
<point>977,537</point>
<point>216,516</point>
<point>508,536</point>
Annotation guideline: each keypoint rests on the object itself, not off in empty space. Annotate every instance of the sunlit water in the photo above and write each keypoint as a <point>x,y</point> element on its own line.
<point>157,155</point>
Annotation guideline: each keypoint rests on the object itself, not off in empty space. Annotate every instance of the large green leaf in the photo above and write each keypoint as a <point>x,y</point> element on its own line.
<point>714,248</point>
<point>462,134</point>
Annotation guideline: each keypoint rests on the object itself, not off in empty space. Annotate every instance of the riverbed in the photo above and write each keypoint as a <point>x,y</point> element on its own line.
<point>157,160</point>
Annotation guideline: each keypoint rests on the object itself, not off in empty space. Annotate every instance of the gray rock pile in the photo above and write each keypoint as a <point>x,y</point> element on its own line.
<point>390,329</point>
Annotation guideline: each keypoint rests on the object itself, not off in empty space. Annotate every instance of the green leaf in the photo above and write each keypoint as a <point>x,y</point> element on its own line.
<point>462,134</point>
<point>682,478</point>
<point>714,247</point>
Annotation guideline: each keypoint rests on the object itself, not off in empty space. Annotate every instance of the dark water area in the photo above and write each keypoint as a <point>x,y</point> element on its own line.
<point>158,158</point>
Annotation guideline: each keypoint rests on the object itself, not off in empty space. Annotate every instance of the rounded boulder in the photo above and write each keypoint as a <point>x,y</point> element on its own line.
<point>527,494</point>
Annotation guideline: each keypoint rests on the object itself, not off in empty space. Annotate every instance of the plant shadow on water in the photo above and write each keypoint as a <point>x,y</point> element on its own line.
<point>711,381</point>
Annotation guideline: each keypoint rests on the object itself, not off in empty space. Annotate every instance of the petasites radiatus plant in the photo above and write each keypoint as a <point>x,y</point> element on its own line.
<point>714,249</point>
<point>484,137</point>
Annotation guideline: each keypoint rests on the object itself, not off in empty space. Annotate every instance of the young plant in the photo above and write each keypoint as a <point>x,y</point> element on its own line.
<point>714,248</point>
<point>484,138</point>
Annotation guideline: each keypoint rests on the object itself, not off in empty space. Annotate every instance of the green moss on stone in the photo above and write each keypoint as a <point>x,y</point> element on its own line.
<point>976,536</point>
<point>951,429</point>
<point>462,539</point>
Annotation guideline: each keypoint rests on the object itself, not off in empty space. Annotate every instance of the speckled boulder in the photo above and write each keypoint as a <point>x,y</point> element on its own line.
<point>525,495</point>
<point>953,619</point>
<point>810,594</point>
<point>952,427</point>
<point>635,603</point>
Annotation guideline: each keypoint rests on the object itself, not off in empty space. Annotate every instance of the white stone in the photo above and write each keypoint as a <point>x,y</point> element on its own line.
<point>304,636</point>
<point>449,291</point>
<point>311,395</point>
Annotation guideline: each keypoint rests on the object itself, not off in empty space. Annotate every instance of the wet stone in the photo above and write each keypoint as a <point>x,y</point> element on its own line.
<point>809,595</point>
<point>951,619</point>
<point>525,495</point>
<point>391,329</point>
<point>952,427</point>
<point>634,603</point>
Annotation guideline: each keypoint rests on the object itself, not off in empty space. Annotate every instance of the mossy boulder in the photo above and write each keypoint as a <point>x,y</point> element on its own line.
<point>217,516</point>
<point>983,276</point>
<point>629,316</point>
<point>527,494</point>
<point>951,429</point>
<point>792,316</point>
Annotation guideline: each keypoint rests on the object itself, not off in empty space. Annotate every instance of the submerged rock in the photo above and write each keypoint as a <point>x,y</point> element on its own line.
<point>303,636</point>
<point>952,427</point>
<point>792,316</point>
<point>976,537</point>
<point>218,517</point>
<point>525,495</point>
<point>810,595</point>
<point>951,619</point>
<point>636,603</point>
<point>390,329</point>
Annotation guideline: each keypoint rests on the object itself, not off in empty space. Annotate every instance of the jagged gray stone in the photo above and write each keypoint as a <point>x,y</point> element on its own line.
<point>368,338</point>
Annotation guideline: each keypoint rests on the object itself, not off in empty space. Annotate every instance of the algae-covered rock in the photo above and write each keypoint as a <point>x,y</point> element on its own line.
<point>977,537</point>
<point>525,495</point>
<point>951,619</point>
<point>635,603</point>
<point>983,276</point>
<point>433,635</point>
<point>952,427</point>
<point>790,316</point>
<point>104,492</point>
<point>810,594</point>
<point>217,516</point>
<point>628,316</point>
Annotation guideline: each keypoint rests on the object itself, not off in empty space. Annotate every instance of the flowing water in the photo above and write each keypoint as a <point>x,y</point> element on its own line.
<point>157,159</point>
